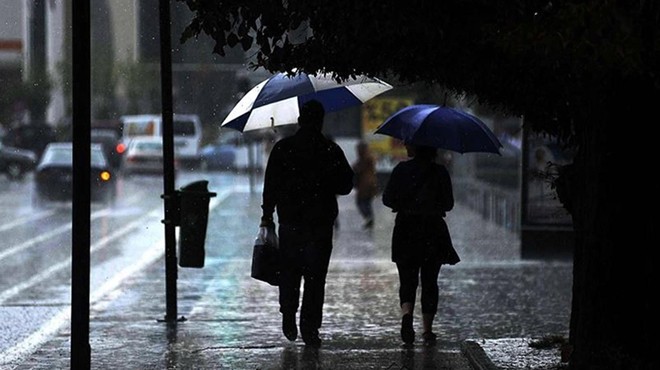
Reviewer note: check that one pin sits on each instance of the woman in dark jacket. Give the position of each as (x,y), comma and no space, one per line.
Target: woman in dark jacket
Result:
(420,192)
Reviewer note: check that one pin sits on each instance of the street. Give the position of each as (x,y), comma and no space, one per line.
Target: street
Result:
(36,254)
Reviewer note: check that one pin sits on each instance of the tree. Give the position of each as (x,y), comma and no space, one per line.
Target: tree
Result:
(586,71)
(141,85)
(32,94)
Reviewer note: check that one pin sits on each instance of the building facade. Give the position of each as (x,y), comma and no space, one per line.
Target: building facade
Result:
(35,39)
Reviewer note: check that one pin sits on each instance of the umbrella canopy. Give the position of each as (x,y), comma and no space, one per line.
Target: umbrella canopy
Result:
(277,100)
(440,127)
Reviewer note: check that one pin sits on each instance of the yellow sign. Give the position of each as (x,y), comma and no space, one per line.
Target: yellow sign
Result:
(374,112)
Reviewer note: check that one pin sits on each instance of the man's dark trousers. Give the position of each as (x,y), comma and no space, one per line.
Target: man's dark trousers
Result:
(305,251)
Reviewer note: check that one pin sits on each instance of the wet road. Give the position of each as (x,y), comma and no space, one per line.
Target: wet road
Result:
(233,320)
(35,256)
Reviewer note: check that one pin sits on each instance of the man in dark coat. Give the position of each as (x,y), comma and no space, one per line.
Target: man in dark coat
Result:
(304,174)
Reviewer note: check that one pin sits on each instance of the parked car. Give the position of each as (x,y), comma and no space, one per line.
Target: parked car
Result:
(16,162)
(187,131)
(219,156)
(144,154)
(223,154)
(113,147)
(33,137)
(53,177)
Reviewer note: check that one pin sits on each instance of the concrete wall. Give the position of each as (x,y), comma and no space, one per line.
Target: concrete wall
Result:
(11,32)
(124,28)
(56,21)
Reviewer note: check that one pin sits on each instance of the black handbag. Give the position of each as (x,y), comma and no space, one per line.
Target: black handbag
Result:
(266,256)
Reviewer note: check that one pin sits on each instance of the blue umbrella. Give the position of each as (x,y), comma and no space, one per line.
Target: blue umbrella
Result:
(276,101)
(440,127)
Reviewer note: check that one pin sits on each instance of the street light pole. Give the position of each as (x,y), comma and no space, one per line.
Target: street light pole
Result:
(80,250)
(169,195)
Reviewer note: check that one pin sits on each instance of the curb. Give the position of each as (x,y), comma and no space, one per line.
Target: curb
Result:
(476,356)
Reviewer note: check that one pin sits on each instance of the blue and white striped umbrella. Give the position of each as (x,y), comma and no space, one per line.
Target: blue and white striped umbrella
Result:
(277,100)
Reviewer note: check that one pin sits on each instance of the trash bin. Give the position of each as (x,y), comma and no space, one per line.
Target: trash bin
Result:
(194,213)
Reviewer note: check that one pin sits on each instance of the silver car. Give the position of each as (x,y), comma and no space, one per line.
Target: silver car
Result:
(144,154)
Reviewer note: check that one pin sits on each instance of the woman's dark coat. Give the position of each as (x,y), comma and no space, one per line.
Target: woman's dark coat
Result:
(420,192)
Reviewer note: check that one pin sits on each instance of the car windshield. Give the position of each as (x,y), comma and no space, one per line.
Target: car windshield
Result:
(58,155)
(183,127)
(105,136)
(148,146)
(63,154)
(97,159)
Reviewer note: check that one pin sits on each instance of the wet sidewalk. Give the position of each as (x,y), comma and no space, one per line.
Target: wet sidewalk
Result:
(231,321)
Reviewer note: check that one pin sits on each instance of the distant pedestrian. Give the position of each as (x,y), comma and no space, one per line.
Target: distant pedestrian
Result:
(304,174)
(420,192)
(366,183)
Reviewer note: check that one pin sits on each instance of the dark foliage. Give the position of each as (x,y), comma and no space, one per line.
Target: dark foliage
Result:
(546,60)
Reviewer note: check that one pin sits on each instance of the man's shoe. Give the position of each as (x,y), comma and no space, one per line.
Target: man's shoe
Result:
(289,327)
(407,331)
(311,338)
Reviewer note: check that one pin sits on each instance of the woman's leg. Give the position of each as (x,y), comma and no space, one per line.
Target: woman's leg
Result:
(408,281)
(429,277)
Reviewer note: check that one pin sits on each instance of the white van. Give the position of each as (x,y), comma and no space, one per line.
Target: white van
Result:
(187,133)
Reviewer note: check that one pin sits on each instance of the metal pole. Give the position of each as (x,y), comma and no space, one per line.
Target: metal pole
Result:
(80,269)
(251,166)
(168,162)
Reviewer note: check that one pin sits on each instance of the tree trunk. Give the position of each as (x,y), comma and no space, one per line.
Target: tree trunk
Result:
(614,314)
